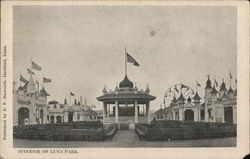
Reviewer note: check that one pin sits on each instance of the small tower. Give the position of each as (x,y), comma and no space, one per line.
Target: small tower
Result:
(196,99)
(223,89)
(181,100)
(31,89)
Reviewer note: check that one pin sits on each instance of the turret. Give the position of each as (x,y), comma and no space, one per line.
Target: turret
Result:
(196,98)
(223,89)
(181,99)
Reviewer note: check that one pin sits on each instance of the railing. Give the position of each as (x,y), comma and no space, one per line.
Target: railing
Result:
(126,119)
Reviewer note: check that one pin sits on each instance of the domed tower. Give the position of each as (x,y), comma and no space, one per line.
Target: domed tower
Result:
(126,83)
(223,89)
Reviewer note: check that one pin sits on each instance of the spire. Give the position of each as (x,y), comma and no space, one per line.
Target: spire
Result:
(208,84)
(181,99)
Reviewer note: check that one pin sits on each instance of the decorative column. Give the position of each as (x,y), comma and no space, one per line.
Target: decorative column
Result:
(104,112)
(174,115)
(136,111)
(116,112)
(148,113)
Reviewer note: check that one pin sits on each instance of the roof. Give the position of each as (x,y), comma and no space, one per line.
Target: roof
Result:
(126,96)
(189,99)
(53,102)
(43,93)
(196,96)
(90,112)
(214,91)
(126,83)
(174,100)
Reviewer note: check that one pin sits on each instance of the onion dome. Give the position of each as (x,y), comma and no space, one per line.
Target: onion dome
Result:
(126,83)
(181,98)
(196,97)
(214,91)
(208,84)
(223,86)
(189,99)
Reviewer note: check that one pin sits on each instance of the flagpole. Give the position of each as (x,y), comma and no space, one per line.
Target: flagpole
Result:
(230,77)
(125,61)
(196,86)
(70,98)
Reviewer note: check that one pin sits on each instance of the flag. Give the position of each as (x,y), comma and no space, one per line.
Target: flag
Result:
(72,94)
(30,72)
(46,80)
(230,75)
(132,60)
(22,79)
(36,66)
(216,83)
(198,84)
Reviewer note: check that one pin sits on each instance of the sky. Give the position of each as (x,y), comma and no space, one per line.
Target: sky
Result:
(81,48)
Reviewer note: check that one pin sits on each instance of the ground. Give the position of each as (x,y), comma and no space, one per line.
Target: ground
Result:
(127,139)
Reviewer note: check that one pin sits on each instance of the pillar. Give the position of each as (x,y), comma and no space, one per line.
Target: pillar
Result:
(173,115)
(234,115)
(104,112)
(108,111)
(116,112)
(148,112)
(136,111)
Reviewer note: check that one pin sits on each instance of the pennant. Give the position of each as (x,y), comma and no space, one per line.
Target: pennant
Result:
(72,94)
(22,79)
(30,72)
(46,80)
(198,84)
(36,66)
(230,75)
(130,59)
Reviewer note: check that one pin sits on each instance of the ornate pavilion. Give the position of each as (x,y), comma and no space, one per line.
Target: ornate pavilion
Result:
(126,104)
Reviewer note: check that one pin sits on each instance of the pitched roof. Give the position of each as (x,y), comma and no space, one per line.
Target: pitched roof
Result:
(196,96)
(208,84)
(181,98)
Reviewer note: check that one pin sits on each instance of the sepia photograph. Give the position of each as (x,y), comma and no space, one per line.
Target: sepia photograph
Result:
(125,76)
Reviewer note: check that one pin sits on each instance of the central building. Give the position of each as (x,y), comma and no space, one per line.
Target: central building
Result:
(126,104)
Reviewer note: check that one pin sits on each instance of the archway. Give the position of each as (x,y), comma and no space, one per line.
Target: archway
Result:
(229,114)
(58,119)
(51,119)
(23,116)
(189,115)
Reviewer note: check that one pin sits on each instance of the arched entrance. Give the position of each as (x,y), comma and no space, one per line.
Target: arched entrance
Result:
(23,116)
(189,115)
(58,119)
(70,116)
(229,114)
(52,119)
